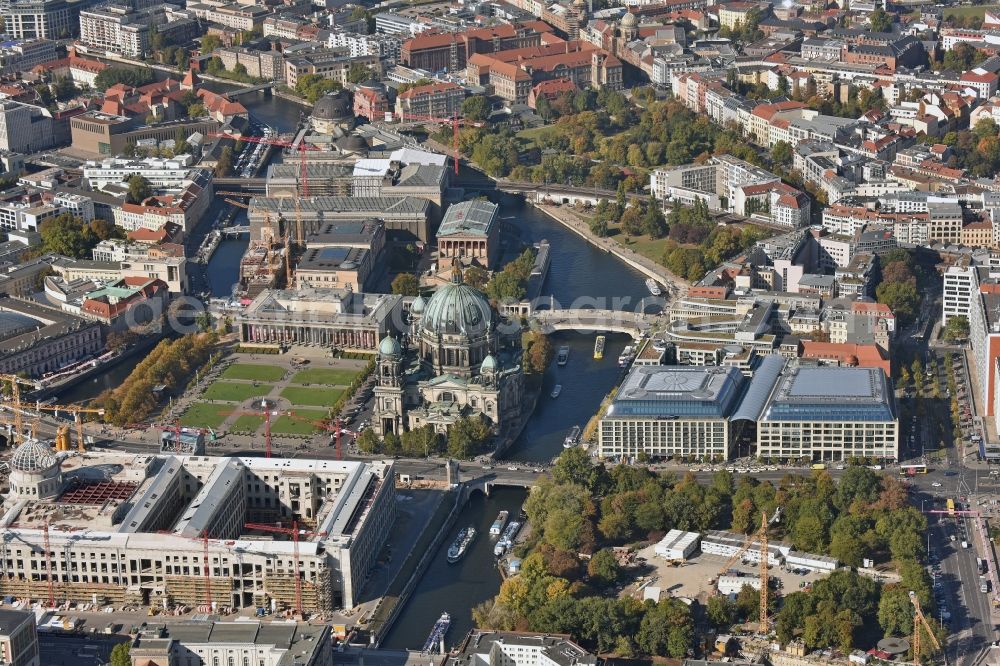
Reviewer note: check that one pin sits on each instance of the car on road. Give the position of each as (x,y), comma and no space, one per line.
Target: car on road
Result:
(487,466)
(512,468)
(936,484)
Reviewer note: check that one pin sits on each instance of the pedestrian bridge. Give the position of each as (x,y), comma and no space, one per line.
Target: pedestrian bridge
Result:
(589,320)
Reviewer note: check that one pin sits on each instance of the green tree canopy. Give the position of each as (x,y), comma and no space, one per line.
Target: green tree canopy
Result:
(406,284)
(130,76)
(957,328)
(476,108)
(881,21)
(120,655)
(138,189)
(467,437)
(603,568)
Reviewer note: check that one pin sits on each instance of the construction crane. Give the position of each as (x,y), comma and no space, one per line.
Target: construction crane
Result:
(920,621)
(295,532)
(763,573)
(301,147)
(77,411)
(48,566)
(206,570)
(15,401)
(455,121)
(267,412)
(336,428)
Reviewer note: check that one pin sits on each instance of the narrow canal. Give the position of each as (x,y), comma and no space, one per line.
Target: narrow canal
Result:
(456,588)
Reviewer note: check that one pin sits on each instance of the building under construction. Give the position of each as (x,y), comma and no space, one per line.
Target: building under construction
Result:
(139,529)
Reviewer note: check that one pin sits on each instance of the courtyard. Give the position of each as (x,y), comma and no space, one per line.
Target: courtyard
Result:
(299,392)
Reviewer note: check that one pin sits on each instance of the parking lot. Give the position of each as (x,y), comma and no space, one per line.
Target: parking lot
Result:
(695,578)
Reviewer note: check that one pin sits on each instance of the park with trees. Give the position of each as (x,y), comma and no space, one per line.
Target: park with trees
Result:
(568,573)
(172,364)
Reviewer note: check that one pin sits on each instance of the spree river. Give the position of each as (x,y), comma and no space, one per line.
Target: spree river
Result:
(577,270)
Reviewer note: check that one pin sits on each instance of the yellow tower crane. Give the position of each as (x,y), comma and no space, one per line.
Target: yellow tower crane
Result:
(15,403)
(62,442)
(920,621)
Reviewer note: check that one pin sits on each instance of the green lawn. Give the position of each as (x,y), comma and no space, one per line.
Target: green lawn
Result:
(971,10)
(534,134)
(328,376)
(319,397)
(254,372)
(235,392)
(204,415)
(248,423)
(300,425)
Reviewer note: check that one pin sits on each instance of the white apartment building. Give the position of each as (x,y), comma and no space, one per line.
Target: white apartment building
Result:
(961,283)
(25,216)
(161,173)
(77,204)
(112,29)
(515,648)
(238,16)
(23,56)
(386,47)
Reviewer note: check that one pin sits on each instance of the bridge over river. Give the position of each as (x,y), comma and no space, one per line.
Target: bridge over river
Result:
(591,320)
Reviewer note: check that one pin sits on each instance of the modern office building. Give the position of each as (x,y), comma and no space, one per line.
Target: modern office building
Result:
(820,413)
(961,283)
(128,529)
(827,414)
(673,411)
(24,128)
(41,19)
(18,638)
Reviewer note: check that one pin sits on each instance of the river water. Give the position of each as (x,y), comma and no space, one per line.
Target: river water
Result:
(577,271)
(456,588)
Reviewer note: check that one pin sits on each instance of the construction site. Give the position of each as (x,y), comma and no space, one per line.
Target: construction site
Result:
(691,565)
(288,536)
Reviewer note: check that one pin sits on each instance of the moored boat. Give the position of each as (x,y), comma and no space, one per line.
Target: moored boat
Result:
(497,527)
(460,546)
(573,438)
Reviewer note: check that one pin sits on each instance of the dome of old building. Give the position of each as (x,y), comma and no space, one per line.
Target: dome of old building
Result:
(418,305)
(390,347)
(489,364)
(457,309)
(629,20)
(335,106)
(353,144)
(33,456)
